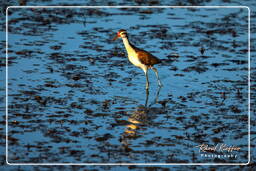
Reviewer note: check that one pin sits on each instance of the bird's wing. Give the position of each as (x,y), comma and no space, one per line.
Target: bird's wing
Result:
(146,58)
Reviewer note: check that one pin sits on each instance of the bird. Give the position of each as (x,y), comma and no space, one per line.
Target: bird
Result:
(138,57)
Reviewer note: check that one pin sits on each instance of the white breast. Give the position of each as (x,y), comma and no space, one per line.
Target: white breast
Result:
(134,60)
(132,55)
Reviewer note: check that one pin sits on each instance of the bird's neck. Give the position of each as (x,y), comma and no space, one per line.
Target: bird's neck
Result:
(129,48)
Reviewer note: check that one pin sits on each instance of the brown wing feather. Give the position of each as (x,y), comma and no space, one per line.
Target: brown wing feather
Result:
(147,59)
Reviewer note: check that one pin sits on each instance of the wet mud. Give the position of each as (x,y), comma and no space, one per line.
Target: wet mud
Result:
(74,97)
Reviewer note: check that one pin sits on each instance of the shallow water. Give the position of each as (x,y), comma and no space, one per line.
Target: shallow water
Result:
(74,97)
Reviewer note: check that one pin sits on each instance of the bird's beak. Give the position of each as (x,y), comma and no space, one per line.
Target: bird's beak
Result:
(115,38)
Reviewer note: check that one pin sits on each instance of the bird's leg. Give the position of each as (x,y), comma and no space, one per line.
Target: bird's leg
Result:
(157,95)
(146,102)
(159,82)
(146,74)
(147,83)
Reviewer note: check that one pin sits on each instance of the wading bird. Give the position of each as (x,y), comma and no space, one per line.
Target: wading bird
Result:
(138,57)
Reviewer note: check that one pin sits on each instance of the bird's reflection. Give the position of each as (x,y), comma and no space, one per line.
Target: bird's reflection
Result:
(141,116)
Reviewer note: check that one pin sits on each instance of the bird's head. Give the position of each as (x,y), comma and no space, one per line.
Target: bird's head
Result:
(121,33)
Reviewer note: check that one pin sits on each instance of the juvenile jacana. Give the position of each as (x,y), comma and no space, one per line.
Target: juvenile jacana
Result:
(138,57)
